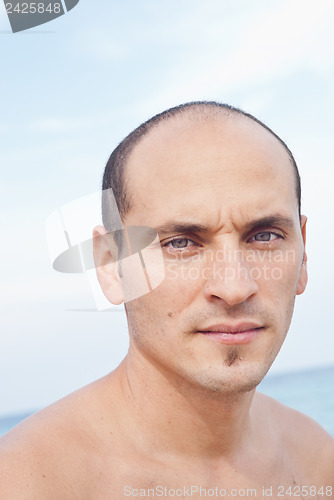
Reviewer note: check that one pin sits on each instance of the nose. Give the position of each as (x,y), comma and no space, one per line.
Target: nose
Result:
(230,278)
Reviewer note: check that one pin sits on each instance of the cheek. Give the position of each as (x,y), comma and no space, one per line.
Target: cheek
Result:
(279,288)
(160,309)
(180,287)
(281,271)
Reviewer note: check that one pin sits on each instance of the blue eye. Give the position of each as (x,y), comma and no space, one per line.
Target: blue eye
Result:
(265,236)
(178,243)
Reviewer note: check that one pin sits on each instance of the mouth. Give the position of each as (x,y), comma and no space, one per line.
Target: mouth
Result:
(240,333)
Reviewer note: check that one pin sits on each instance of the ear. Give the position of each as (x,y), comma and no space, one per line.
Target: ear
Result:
(105,257)
(302,281)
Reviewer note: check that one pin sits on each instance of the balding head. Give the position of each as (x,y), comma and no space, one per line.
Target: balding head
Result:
(118,177)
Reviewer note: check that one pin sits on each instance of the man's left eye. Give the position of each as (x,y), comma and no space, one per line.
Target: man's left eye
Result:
(265,236)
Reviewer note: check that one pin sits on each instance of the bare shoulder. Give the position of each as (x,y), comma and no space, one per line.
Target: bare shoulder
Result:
(50,449)
(27,456)
(306,442)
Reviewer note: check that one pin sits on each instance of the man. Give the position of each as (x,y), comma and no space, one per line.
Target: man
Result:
(181,416)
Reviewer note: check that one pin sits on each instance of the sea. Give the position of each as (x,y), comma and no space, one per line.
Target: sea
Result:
(311,392)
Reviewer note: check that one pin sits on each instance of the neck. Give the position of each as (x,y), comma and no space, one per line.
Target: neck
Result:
(180,417)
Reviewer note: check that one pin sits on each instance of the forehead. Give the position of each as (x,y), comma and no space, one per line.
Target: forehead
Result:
(215,168)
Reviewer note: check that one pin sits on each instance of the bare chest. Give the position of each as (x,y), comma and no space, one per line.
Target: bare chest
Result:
(145,479)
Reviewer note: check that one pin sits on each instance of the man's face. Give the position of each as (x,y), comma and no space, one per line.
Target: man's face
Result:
(221,194)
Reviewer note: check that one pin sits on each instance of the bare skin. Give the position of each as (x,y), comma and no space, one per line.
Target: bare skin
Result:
(94,444)
(182,409)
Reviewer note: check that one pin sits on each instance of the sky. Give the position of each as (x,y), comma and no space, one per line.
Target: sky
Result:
(73,88)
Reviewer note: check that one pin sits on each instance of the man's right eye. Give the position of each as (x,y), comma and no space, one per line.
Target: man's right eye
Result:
(178,243)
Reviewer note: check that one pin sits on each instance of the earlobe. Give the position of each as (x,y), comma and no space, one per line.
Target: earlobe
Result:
(302,281)
(105,257)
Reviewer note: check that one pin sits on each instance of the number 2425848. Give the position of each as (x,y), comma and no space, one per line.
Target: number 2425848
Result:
(33,8)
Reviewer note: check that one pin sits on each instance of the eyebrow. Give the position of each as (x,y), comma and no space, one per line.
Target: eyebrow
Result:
(271,220)
(181,227)
(188,227)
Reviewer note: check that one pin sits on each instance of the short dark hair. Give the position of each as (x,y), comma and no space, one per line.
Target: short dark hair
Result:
(114,173)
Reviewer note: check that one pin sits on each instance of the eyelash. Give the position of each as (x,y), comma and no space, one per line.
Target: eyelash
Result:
(278,236)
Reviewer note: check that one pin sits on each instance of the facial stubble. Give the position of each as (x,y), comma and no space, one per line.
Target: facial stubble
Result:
(232,356)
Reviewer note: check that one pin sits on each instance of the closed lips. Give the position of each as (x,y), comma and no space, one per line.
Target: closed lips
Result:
(233,329)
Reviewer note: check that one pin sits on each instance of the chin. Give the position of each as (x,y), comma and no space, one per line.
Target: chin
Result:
(230,381)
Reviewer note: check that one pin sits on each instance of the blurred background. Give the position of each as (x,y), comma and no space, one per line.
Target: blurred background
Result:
(73,88)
